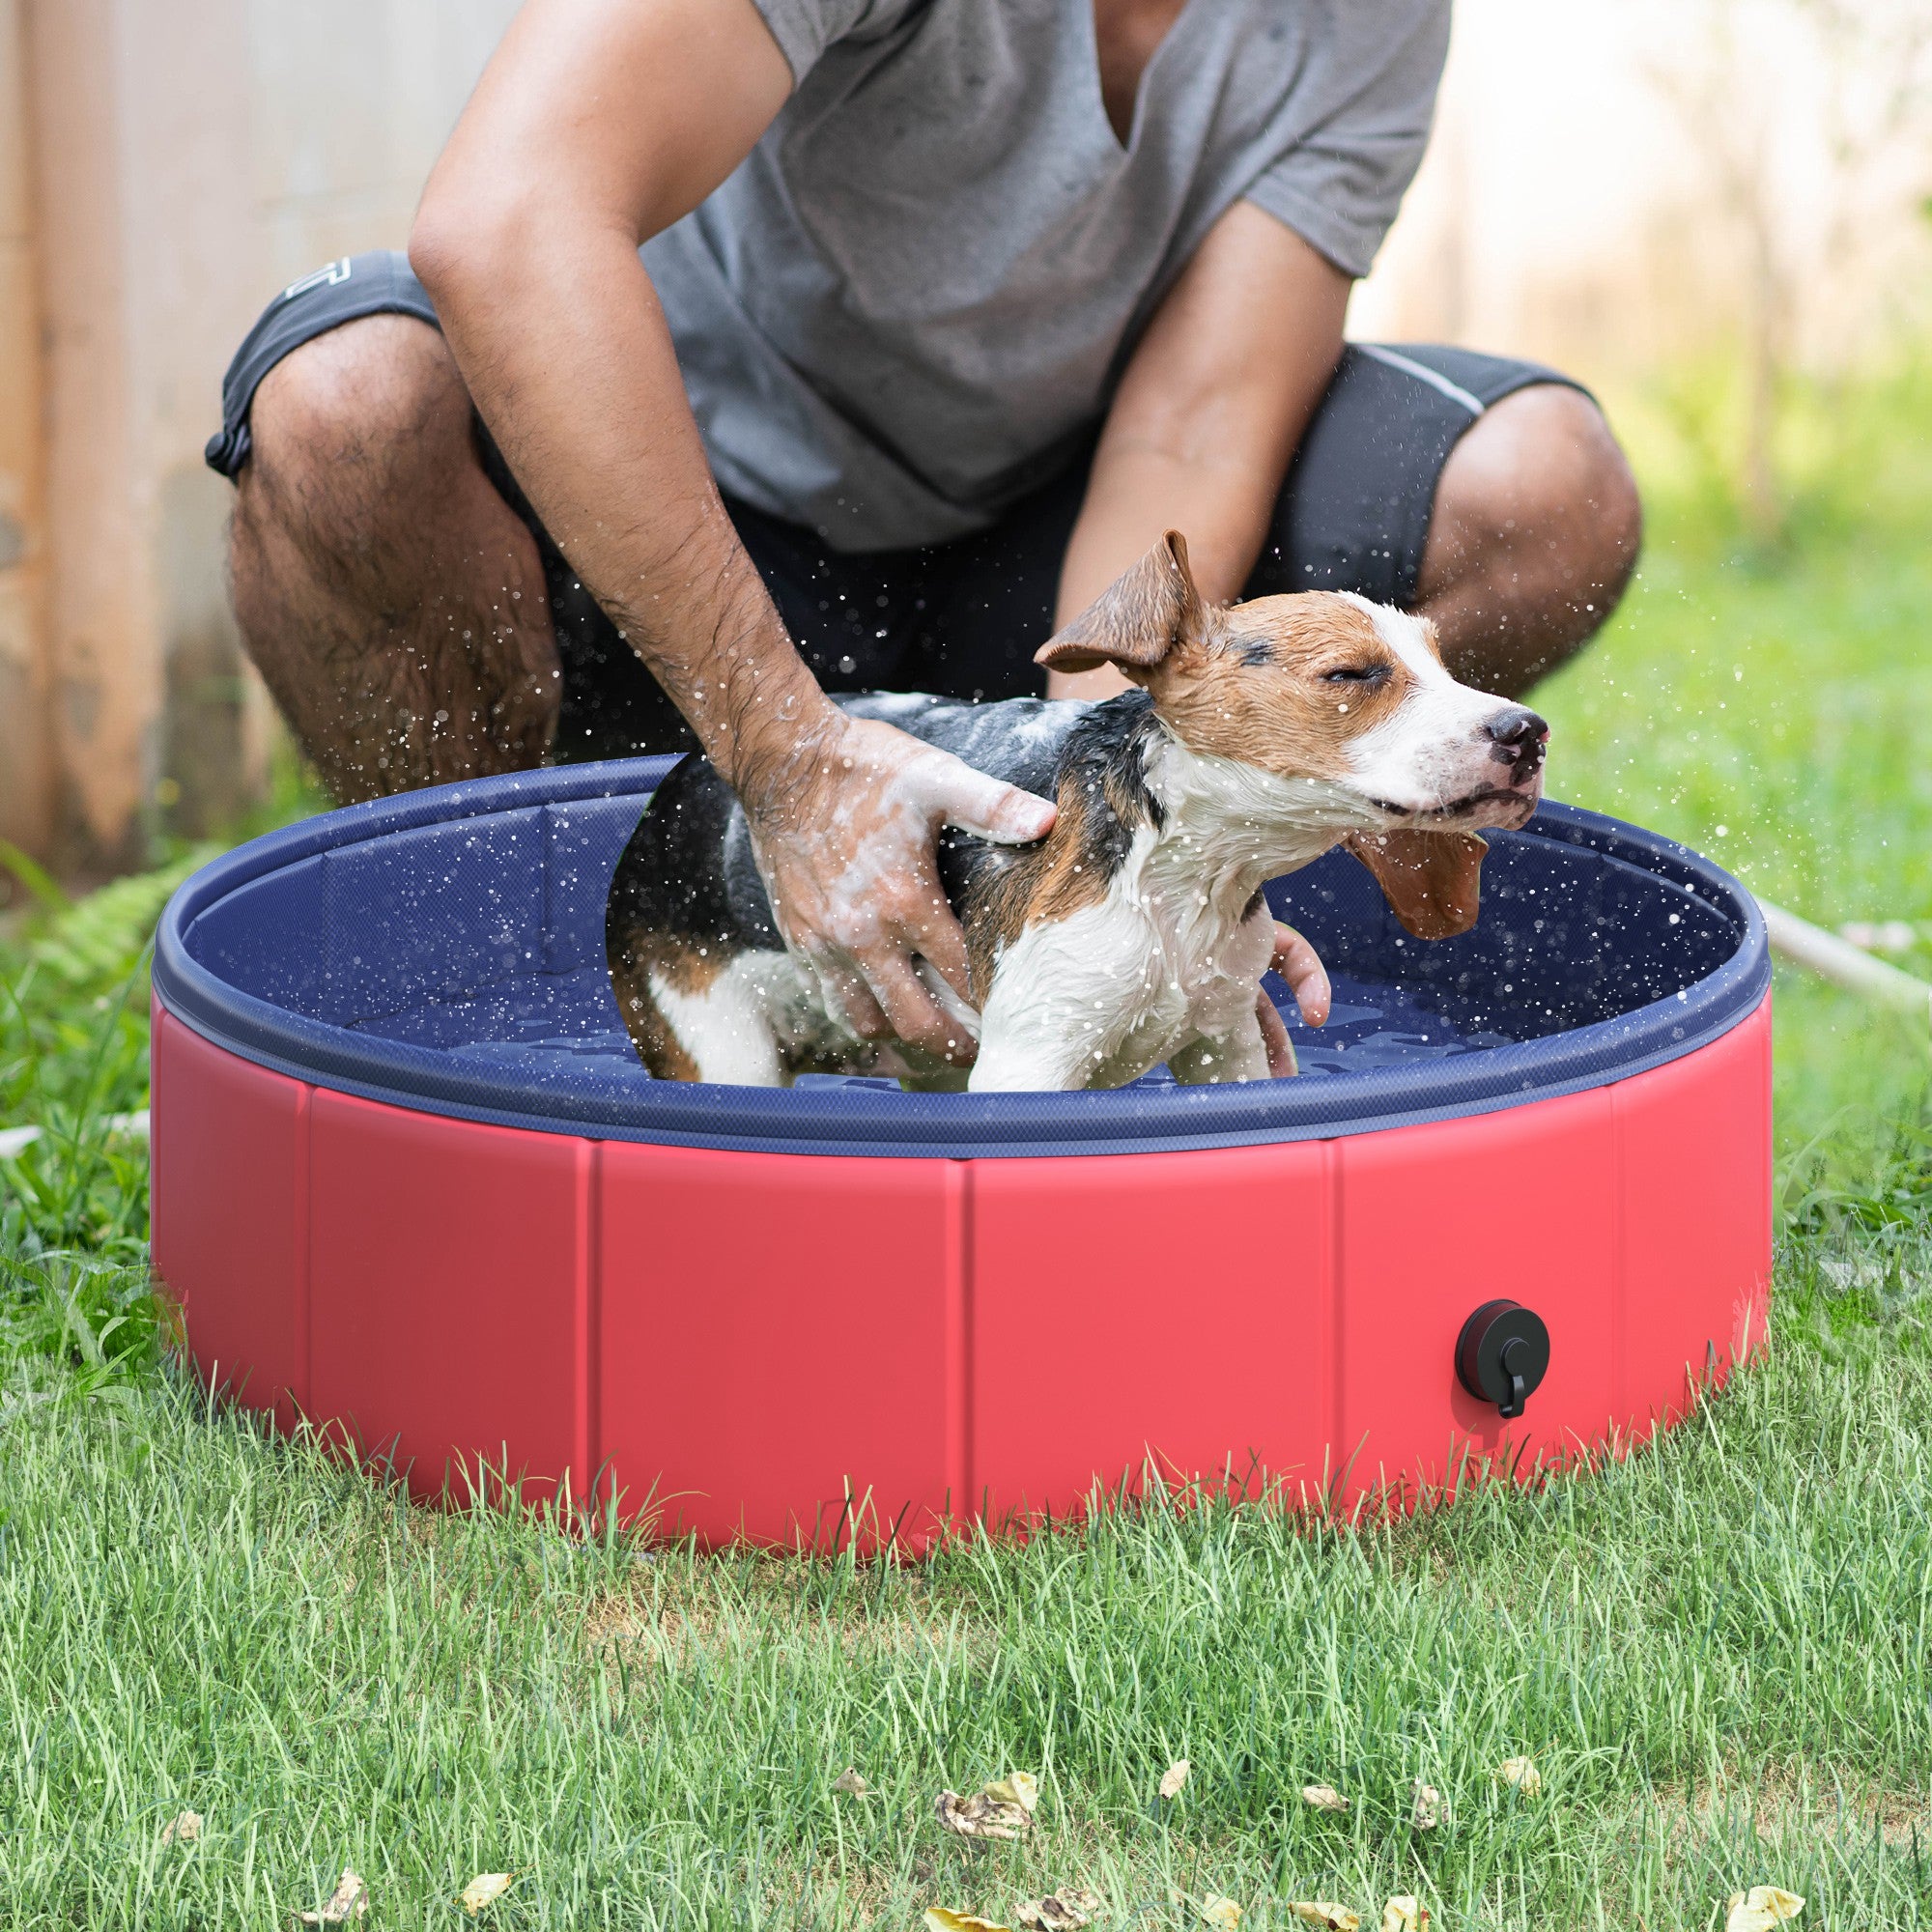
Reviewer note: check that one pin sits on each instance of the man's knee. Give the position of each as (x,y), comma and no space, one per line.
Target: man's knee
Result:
(1541,479)
(355,419)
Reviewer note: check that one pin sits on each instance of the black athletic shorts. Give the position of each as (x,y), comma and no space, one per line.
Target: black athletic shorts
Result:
(960,618)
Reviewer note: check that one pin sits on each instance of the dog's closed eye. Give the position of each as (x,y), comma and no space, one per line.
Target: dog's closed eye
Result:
(1371,675)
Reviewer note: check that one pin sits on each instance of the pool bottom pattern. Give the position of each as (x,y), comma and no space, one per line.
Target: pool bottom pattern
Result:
(534,1027)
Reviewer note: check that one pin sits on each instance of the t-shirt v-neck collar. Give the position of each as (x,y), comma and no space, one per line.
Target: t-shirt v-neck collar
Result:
(1088,41)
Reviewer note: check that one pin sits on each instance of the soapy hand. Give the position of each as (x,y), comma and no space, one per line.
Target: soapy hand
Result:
(843,830)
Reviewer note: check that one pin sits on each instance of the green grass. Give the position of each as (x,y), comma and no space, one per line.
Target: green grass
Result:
(1715,1655)
(74,1044)
(1715,1652)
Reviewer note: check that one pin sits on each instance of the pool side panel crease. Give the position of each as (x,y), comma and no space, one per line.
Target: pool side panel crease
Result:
(300,1258)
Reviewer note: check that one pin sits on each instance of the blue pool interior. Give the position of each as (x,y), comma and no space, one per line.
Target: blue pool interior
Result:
(483,939)
(447,948)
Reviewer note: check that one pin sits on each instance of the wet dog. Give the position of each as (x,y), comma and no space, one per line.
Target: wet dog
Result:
(1261,735)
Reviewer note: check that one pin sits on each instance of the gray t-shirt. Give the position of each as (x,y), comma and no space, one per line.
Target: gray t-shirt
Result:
(913,299)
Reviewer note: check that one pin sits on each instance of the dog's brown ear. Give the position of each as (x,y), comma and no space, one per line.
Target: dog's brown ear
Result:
(1136,620)
(1432,880)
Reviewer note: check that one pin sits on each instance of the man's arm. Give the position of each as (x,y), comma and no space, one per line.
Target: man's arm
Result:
(1207,416)
(597,123)
(1199,439)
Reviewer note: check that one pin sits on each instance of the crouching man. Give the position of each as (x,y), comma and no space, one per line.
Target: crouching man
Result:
(747,350)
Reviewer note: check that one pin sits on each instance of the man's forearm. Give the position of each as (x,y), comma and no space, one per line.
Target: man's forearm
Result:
(528,242)
(1134,493)
(586,400)
(1207,416)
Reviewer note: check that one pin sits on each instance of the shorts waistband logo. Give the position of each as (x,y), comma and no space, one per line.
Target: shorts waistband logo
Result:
(328,278)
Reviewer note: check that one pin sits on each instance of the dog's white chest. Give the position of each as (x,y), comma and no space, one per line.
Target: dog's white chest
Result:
(1098,997)
(1211,954)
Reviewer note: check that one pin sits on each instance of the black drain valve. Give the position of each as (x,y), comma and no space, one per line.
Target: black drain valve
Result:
(1503,1355)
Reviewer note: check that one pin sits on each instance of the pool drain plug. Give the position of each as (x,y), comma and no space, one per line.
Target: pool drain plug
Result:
(1503,1355)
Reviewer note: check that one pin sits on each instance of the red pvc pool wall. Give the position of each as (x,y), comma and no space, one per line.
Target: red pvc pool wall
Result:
(740,1341)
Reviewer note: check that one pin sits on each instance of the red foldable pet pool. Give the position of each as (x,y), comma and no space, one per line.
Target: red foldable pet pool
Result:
(410,1180)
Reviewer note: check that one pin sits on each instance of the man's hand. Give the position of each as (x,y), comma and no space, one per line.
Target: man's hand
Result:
(845,836)
(1295,960)
(843,832)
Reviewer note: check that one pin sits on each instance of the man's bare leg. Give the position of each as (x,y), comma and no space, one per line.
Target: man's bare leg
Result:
(391,599)
(1534,536)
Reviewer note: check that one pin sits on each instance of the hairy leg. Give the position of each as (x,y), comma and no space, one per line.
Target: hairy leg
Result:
(1533,539)
(391,597)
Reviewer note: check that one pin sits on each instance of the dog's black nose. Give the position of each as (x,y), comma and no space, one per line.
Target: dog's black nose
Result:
(1515,725)
(1516,737)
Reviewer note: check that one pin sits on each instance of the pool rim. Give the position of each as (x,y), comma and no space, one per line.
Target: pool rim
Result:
(871,1122)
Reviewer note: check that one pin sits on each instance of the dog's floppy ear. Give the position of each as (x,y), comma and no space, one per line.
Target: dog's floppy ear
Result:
(1136,620)
(1432,880)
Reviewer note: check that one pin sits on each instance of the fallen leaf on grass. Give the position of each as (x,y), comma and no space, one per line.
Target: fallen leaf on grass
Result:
(1323,1797)
(1174,1778)
(485,1889)
(349,1900)
(1403,1914)
(1521,1773)
(1427,1812)
(1331,1918)
(1223,1914)
(941,1918)
(1060,1911)
(851,1784)
(1761,1908)
(980,1816)
(1017,1787)
(184,1829)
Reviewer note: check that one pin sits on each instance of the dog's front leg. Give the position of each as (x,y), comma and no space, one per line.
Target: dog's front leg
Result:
(1239,1054)
(1025,1067)
(1043,1045)
(1064,997)
(725,1028)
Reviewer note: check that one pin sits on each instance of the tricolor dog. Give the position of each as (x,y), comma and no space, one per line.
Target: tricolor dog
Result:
(1261,735)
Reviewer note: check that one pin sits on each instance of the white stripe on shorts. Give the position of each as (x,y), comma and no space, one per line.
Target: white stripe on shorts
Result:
(1422,373)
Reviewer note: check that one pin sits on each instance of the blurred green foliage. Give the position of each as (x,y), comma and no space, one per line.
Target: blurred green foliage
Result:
(73,1063)
(73,1041)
